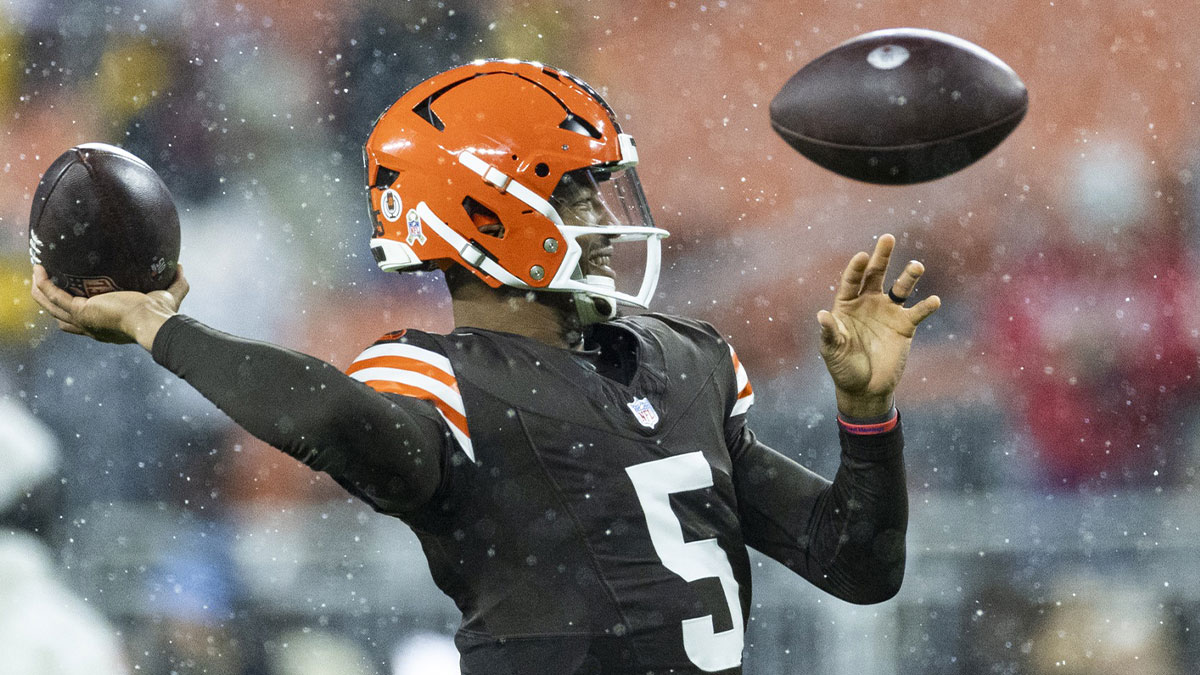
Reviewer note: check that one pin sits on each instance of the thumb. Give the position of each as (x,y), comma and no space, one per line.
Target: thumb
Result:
(174,294)
(831,329)
(180,287)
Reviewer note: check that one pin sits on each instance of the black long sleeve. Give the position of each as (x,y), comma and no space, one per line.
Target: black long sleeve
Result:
(387,450)
(847,536)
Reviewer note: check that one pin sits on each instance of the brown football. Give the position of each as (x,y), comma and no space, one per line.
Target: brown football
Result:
(102,220)
(900,106)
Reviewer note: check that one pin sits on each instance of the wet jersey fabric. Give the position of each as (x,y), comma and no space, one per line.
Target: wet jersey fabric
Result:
(587,513)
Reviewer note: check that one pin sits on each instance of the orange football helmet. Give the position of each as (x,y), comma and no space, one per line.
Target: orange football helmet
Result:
(493,141)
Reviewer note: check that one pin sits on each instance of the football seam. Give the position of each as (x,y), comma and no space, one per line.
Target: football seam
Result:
(783,131)
(84,155)
(123,155)
(57,180)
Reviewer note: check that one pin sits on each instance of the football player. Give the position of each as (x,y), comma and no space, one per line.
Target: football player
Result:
(584,484)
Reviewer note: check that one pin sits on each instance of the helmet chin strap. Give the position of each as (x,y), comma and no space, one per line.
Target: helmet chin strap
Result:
(595,308)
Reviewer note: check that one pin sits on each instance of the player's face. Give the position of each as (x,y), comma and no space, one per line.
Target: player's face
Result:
(578,202)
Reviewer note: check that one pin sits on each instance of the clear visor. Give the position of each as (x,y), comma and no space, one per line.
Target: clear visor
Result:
(600,207)
(599,197)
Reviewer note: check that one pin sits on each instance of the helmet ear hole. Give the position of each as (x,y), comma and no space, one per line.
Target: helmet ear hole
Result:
(485,219)
(542,170)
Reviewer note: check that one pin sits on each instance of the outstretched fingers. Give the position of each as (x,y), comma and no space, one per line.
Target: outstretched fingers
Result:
(878,264)
(51,298)
(904,286)
(70,328)
(832,329)
(921,311)
(50,308)
(906,283)
(852,277)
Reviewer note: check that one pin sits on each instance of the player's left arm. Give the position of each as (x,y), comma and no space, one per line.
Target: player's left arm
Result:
(846,536)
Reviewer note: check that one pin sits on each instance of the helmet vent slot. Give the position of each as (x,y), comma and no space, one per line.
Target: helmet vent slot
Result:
(425,112)
(384,177)
(485,219)
(579,126)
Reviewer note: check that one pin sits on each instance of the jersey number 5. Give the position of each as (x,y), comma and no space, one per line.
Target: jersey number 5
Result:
(654,483)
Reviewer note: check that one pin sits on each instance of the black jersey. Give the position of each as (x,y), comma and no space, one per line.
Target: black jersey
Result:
(587,515)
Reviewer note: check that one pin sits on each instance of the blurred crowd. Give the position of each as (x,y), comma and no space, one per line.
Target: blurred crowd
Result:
(1065,360)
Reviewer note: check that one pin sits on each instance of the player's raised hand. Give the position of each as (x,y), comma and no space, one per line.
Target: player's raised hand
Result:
(119,316)
(866,337)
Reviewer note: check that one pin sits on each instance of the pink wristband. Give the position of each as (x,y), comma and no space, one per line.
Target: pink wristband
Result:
(867,429)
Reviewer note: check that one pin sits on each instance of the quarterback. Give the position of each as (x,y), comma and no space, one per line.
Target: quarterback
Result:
(584,483)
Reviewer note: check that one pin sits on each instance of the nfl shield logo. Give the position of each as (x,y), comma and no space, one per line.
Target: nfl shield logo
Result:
(644,412)
(415,232)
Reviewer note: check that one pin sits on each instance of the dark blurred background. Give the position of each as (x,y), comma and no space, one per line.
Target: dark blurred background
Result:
(1050,406)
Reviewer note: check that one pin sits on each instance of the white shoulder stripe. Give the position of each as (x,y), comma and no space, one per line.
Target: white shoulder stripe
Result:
(408,351)
(424,382)
(742,377)
(742,405)
(464,441)
(433,387)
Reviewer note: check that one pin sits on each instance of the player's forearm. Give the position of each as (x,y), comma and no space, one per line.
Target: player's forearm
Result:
(846,537)
(310,410)
(860,522)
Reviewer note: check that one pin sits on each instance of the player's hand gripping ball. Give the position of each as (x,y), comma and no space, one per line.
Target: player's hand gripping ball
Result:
(900,106)
(102,220)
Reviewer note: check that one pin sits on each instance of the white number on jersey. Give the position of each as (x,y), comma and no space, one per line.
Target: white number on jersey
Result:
(654,482)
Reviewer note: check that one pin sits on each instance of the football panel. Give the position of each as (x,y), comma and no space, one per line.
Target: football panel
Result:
(904,166)
(140,218)
(46,185)
(67,227)
(938,86)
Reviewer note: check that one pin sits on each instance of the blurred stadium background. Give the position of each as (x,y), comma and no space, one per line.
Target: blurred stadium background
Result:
(1051,406)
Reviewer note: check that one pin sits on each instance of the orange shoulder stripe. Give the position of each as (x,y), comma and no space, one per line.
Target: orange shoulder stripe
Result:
(388,387)
(404,363)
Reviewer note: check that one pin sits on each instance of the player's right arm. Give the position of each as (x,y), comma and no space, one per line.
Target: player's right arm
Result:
(387,450)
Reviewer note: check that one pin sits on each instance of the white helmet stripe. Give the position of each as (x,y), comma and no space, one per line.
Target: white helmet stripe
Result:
(563,280)
(466,249)
(503,182)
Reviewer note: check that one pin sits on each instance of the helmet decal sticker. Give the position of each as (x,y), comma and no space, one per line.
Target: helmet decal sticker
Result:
(390,205)
(415,233)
